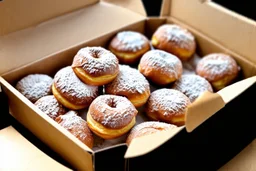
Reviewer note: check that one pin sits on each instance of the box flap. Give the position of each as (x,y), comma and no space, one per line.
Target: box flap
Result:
(209,103)
(63,32)
(17,153)
(228,28)
(133,5)
(17,15)
(135,148)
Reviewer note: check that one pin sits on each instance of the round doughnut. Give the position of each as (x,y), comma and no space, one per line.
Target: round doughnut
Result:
(50,106)
(147,128)
(174,39)
(192,86)
(160,67)
(218,68)
(95,65)
(131,84)
(35,86)
(76,126)
(129,46)
(111,116)
(167,105)
(71,92)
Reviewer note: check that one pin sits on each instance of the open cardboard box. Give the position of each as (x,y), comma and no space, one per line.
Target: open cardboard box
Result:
(44,37)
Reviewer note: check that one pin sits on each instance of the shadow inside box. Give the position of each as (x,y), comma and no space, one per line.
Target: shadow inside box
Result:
(209,146)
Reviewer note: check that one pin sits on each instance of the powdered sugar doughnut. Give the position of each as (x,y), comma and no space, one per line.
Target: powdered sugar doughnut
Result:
(147,128)
(218,68)
(192,86)
(111,116)
(160,67)
(129,46)
(167,105)
(174,39)
(95,65)
(35,86)
(71,92)
(76,126)
(50,106)
(131,84)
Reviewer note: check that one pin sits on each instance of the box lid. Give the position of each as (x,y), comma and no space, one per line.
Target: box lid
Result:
(228,28)
(17,153)
(31,30)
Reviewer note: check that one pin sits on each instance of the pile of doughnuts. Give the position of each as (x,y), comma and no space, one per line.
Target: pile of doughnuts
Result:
(126,72)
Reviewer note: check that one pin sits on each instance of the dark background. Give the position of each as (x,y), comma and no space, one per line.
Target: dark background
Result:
(246,8)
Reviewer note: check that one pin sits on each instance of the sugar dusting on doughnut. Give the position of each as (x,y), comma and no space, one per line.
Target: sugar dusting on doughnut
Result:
(35,86)
(217,65)
(179,35)
(96,60)
(112,111)
(166,63)
(168,100)
(70,121)
(192,86)
(132,40)
(67,82)
(50,106)
(129,79)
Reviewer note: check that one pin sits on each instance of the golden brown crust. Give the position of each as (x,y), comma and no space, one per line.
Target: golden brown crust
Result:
(113,112)
(160,67)
(147,128)
(69,87)
(174,39)
(218,68)
(131,84)
(50,106)
(76,126)
(129,46)
(167,105)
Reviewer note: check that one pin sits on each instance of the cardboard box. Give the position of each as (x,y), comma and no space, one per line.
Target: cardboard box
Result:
(44,37)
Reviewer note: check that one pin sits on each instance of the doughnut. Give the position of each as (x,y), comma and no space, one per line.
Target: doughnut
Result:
(218,68)
(160,67)
(76,126)
(175,40)
(147,128)
(192,86)
(167,105)
(95,65)
(131,84)
(129,46)
(71,92)
(35,86)
(50,106)
(111,116)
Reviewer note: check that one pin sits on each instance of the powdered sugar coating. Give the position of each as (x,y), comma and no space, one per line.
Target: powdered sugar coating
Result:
(128,80)
(181,36)
(71,87)
(216,66)
(77,126)
(132,41)
(163,62)
(168,102)
(50,106)
(192,86)
(147,128)
(35,86)
(96,61)
(112,111)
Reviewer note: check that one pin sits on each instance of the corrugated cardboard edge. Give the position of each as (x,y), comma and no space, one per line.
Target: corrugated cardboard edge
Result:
(18,153)
(133,5)
(135,148)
